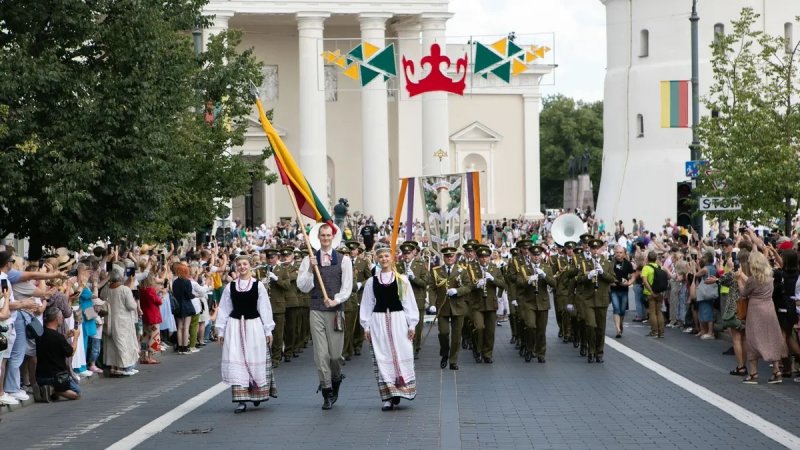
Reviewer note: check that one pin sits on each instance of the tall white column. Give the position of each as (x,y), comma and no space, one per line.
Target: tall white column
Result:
(409,110)
(313,156)
(531,170)
(220,24)
(375,126)
(435,124)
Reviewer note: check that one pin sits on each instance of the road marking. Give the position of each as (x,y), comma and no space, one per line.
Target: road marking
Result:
(450,427)
(743,415)
(159,424)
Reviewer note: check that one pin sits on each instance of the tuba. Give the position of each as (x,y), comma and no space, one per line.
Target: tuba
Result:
(567,227)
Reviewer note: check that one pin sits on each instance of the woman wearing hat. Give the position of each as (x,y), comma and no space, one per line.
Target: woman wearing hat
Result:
(245,324)
(389,317)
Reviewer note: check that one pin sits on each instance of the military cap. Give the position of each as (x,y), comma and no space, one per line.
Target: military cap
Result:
(352,245)
(483,250)
(471,244)
(514,251)
(523,243)
(286,251)
(570,245)
(585,238)
(595,243)
(343,250)
(449,251)
(408,246)
(536,249)
(270,252)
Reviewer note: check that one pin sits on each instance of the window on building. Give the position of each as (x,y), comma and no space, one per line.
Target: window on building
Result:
(719,30)
(787,36)
(639,125)
(644,43)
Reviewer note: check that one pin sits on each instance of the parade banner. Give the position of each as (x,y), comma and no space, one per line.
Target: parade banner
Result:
(442,206)
(474,203)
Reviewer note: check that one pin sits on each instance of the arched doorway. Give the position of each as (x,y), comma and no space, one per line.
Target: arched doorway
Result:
(474,162)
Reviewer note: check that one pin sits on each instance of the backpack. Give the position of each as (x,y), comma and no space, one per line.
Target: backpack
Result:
(660,279)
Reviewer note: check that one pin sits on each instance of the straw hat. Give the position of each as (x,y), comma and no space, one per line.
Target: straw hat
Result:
(65,262)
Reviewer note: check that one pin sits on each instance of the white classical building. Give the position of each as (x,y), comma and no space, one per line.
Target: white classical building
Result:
(649,41)
(357,143)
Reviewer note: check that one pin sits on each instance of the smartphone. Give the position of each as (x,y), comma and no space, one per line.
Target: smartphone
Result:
(130,271)
(109,266)
(41,263)
(161,258)
(166,283)
(4,285)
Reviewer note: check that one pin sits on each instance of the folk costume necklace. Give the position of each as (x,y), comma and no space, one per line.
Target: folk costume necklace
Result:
(380,278)
(247,286)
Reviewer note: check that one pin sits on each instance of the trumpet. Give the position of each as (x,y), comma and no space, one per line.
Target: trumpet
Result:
(483,272)
(596,267)
(536,281)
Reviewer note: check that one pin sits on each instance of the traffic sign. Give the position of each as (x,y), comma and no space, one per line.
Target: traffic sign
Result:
(693,168)
(719,204)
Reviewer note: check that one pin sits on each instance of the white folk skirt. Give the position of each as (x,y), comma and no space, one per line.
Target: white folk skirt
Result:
(393,355)
(246,361)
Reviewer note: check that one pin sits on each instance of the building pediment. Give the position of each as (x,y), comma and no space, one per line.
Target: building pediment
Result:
(255,130)
(476,132)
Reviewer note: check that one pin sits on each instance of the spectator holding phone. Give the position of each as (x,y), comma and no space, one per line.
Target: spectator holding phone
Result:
(150,302)
(183,309)
(120,346)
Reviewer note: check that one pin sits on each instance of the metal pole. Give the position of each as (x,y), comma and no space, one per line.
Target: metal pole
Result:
(694,147)
(197,35)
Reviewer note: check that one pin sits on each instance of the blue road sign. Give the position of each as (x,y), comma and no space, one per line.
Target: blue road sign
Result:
(693,168)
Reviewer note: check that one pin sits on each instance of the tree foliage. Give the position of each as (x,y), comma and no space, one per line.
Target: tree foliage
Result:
(752,139)
(106,134)
(567,129)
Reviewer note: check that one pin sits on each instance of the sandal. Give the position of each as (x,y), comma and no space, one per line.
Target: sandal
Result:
(776,378)
(741,371)
(751,379)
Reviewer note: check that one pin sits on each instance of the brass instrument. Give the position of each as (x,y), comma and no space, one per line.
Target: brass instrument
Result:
(596,267)
(483,271)
(536,280)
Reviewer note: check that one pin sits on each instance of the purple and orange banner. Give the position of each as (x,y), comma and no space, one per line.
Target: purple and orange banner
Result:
(474,203)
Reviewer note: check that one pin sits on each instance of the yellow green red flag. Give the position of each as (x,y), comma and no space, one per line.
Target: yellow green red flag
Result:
(291,175)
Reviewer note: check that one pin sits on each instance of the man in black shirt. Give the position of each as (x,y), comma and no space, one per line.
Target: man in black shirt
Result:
(368,232)
(623,269)
(52,351)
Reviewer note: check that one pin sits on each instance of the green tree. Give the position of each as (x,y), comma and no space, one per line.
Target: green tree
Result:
(107,135)
(567,129)
(752,140)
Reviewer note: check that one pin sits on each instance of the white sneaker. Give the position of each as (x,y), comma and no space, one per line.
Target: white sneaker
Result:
(706,337)
(193,350)
(128,373)
(19,395)
(86,373)
(7,399)
(134,371)
(688,330)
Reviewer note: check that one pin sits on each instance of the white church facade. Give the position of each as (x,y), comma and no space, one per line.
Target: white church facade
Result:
(649,41)
(357,143)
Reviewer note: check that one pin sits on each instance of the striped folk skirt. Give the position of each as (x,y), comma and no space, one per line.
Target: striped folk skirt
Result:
(246,361)
(392,356)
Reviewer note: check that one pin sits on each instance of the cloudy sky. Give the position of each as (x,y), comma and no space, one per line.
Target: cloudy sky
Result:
(579,29)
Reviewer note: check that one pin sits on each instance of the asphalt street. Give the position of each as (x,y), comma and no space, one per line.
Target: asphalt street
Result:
(686,401)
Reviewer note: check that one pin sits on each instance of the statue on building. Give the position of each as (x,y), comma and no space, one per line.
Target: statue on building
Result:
(584,164)
(572,166)
(340,212)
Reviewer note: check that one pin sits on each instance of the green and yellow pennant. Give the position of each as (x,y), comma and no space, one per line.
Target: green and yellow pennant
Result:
(364,62)
(505,59)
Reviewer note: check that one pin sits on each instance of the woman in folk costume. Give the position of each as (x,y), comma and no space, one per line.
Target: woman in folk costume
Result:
(389,316)
(245,325)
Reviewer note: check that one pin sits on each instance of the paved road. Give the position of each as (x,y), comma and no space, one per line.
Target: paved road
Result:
(563,404)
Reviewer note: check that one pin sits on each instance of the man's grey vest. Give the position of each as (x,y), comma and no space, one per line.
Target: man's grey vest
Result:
(332,277)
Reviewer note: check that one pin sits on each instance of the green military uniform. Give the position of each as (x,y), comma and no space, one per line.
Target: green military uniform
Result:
(565,269)
(277,300)
(470,264)
(511,294)
(362,269)
(293,311)
(351,311)
(483,305)
(420,278)
(305,310)
(451,308)
(597,276)
(532,280)
(582,292)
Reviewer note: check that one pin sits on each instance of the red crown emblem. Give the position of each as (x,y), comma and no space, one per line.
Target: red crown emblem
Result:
(436,80)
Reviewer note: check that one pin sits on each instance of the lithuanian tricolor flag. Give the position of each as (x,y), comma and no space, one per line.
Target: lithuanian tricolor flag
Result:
(675,104)
(291,175)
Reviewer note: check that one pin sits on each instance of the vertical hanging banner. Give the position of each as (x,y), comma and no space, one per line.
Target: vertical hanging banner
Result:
(675,104)
(474,203)
(442,209)
(398,210)
(410,210)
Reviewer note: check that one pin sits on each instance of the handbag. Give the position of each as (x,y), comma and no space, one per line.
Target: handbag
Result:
(33,328)
(741,308)
(61,381)
(3,342)
(707,292)
(90,314)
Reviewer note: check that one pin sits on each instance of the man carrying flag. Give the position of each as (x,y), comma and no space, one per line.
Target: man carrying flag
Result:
(334,273)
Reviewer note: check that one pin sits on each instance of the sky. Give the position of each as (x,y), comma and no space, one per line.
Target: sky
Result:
(579,27)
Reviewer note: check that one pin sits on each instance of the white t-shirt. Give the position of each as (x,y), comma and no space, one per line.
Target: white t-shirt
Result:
(3,276)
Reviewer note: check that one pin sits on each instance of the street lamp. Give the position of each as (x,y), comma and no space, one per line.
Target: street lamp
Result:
(197,35)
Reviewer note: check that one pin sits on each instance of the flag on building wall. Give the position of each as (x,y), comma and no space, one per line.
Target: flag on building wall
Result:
(474,203)
(675,104)
(291,175)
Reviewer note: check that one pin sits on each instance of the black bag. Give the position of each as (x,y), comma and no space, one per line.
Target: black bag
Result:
(33,328)
(660,279)
(61,381)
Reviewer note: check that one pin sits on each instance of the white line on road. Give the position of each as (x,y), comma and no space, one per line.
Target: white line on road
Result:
(743,415)
(159,424)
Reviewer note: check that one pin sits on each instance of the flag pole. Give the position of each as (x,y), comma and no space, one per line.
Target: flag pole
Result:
(308,242)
